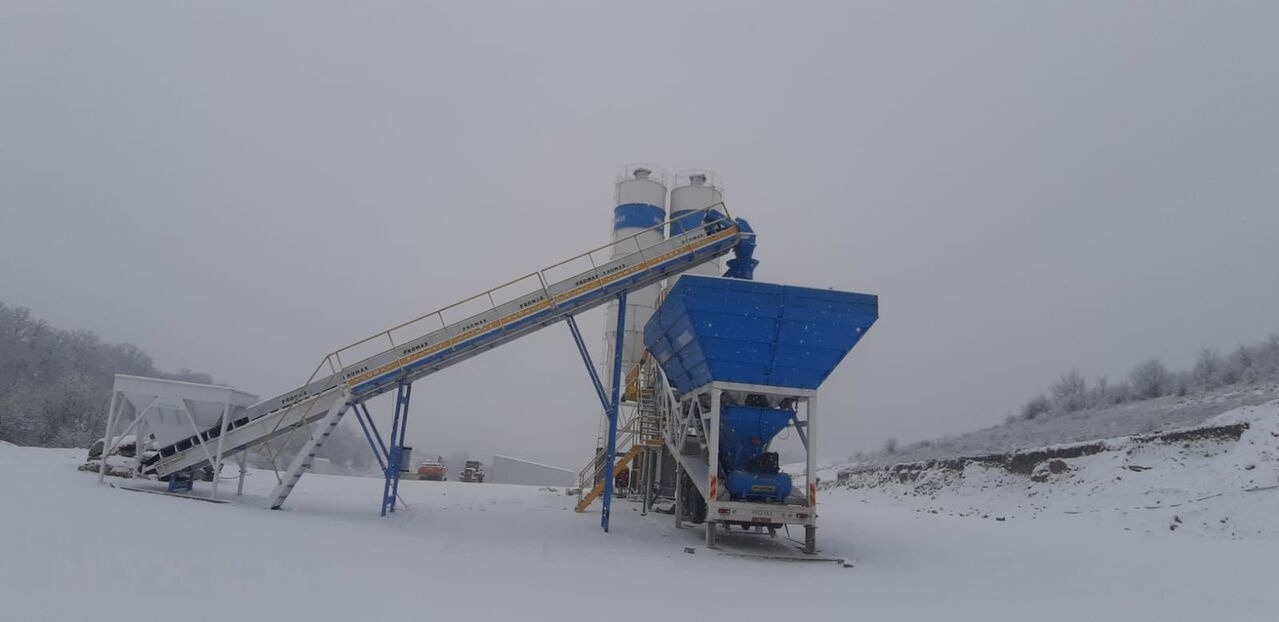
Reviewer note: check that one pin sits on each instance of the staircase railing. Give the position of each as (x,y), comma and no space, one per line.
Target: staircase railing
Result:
(594,470)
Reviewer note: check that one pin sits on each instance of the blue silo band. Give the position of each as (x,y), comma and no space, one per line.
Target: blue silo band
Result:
(637,216)
(681,221)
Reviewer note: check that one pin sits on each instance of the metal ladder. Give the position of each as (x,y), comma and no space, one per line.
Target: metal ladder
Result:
(302,462)
(640,436)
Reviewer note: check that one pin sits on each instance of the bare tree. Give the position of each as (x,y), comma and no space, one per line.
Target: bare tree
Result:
(1035,407)
(1100,393)
(1120,393)
(1150,379)
(1070,391)
(1207,371)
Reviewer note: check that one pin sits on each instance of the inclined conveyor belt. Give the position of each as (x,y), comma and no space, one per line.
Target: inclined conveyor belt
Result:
(543,303)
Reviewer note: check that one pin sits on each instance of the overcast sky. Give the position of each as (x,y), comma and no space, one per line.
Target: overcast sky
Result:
(242,187)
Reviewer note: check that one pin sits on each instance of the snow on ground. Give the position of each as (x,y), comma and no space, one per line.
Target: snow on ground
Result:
(71,549)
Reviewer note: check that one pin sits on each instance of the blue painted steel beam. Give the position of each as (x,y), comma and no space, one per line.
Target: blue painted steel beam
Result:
(586,358)
(376,434)
(392,460)
(404,424)
(391,485)
(377,452)
(614,405)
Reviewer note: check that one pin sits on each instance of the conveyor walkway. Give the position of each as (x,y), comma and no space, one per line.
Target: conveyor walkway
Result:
(451,335)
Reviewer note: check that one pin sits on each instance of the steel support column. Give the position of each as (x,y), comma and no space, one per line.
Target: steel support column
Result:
(810,473)
(590,365)
(712,453)
(109,435)
(241,460)
(371,433)
(395,453)
(614,405)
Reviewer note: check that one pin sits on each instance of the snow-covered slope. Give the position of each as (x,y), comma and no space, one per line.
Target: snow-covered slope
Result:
(1139,417)
(71,549)
(1219,478)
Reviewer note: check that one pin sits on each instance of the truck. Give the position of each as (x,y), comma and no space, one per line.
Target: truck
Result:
(473,473)
(432,470)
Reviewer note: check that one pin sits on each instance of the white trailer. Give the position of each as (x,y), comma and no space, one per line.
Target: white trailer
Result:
(508,470)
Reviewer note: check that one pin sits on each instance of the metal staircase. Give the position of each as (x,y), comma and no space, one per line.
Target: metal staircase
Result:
(640,436)
(302,462)
(422,346)
(598,489)
(631,443)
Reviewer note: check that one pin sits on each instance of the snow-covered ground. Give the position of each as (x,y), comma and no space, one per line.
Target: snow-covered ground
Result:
(71,549)
(1211,479)
(1138,417)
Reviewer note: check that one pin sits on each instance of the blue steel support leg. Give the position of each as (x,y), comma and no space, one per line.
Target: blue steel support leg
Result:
(373,444)
(395,452)
(376,434)
(614,404)
(586,358)
(404,424)
(392,460)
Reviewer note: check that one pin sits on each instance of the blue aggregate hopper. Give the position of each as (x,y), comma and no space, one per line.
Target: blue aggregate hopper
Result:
(745,431)
(731,330)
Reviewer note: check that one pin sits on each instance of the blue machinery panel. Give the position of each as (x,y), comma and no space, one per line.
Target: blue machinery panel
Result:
(733,330)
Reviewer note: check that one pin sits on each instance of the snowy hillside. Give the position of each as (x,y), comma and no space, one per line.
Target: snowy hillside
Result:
(1218,478)
(1139,417)
(72,549)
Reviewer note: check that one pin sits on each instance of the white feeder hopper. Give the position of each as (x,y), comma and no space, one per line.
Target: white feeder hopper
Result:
(161,412)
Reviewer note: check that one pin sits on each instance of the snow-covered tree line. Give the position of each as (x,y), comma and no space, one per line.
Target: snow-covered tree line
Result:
(55,388)
(55,385)
(1247,364)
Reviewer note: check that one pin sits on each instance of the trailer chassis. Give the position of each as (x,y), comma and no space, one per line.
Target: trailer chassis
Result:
(691,433)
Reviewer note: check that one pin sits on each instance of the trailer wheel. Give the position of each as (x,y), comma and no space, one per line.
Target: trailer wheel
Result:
(694,503)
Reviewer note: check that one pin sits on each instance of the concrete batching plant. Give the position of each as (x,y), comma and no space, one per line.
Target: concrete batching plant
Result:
(712,372)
